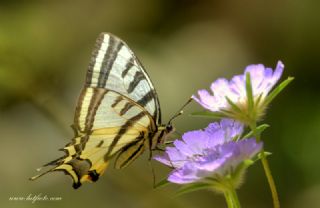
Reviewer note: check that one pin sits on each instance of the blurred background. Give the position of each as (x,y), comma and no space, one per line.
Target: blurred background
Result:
(45,47)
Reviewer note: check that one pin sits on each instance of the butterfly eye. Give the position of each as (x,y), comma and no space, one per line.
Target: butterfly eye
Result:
(169,128)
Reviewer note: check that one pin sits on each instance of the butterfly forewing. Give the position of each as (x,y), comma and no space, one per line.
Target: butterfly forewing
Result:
(114,66)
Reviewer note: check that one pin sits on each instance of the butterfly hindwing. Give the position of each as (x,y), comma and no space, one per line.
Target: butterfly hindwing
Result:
(88,155)
(130,152)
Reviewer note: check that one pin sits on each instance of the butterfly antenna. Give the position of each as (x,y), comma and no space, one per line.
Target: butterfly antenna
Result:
(180,111)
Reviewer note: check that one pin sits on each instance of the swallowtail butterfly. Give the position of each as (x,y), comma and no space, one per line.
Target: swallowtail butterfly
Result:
(117,115)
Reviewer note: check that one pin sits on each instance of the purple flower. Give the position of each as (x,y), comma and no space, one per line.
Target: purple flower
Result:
(263,80)
(209,153)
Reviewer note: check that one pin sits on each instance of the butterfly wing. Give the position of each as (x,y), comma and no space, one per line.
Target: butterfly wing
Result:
(112,131)
(114,66)
(116,111)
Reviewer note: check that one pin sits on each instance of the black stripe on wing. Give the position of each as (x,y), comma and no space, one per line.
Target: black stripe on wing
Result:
(150,96)
(129,65)
(122,132)
(138,77)
(129,153)
(97,97)
(110,56)
(104,65)
(94,55)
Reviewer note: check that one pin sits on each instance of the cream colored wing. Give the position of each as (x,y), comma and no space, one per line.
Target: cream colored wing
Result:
(113,128)
(114,66)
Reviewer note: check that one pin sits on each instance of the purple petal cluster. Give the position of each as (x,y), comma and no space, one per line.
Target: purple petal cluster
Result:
(208,153)
(262,79)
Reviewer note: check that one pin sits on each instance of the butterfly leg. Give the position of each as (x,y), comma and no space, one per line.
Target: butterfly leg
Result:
(159,149)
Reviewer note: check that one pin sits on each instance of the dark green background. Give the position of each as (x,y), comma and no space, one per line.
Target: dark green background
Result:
(45,47)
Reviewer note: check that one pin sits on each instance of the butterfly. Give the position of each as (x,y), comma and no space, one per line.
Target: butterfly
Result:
(117,115)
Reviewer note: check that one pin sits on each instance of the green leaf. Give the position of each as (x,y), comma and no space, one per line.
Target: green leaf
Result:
(227,113)
(192,187)
(258,131)
(233,105)
(266,154)
(214,115)
(249,92)
(257,101)
(278,89)
(247,163)
(260,156)
(161,183)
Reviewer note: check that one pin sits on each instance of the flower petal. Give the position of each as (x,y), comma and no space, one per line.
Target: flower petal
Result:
(262,79)
(231,128)
(205,99)
(208,153)
(277,72)
(186,174)
(195,141)
(249,147)
(163,159)
(241,150)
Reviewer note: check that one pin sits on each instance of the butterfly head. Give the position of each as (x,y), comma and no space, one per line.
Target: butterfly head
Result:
(164,131)
(167,129)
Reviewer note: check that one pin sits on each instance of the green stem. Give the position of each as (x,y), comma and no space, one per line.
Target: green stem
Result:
(267,171)
(232,198)
(236,203)
(265,164)
(228,199)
